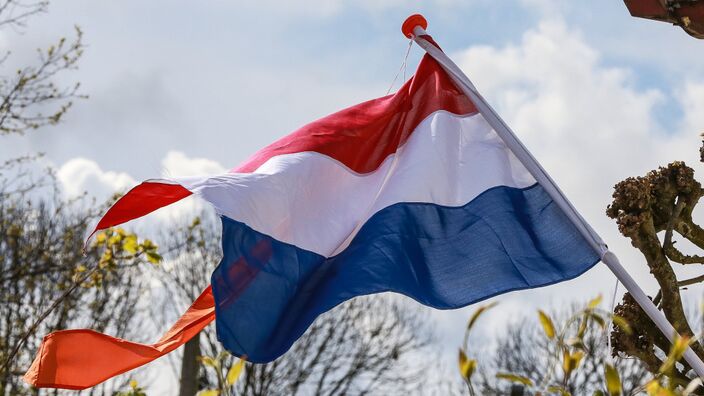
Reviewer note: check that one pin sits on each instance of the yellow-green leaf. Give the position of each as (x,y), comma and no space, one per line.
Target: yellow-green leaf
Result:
(595,302)
(147,244)
(153,257)
(546,322)
(582,327)
(571,361)
(208,392)
(234,373)
(515,378)
(577,358)
(576,342)
(467,366)
(655,389)
(676,352)
(222,355)
(208,361)
(621,322)
(566,362)
(613,380)
(598,319)
(478,312)
(133,384)
(129,244)
(114,240)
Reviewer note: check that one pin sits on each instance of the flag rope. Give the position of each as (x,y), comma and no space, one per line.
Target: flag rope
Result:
(404,64)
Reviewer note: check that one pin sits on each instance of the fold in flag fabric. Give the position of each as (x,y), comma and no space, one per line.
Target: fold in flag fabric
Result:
(412,193)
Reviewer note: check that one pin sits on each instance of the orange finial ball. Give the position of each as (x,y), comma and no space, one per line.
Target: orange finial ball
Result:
(411,22)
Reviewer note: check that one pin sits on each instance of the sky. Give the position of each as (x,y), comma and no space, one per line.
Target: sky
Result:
(181,88)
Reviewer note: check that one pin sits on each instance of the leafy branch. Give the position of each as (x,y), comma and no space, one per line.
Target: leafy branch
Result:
(30,99)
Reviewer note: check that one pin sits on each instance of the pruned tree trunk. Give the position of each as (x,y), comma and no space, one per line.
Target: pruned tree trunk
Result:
(188,385)
(650,210)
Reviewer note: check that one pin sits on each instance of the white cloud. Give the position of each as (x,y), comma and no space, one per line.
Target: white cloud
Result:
(81,175)
(177,164)
(588,124)
(692,100)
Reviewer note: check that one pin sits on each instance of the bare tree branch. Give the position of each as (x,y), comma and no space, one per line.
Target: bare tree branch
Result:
(14,13)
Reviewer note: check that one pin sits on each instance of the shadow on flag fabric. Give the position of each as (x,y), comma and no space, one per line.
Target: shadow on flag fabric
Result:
(412,193)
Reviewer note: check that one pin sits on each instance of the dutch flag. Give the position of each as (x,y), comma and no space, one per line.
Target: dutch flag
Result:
(413,193)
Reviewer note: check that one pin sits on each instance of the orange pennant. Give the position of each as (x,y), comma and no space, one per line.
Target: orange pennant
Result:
(79,359)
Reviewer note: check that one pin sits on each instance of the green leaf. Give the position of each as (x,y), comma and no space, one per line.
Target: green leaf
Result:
(613,380)
(598,393)
(595,302)
(546,322)
(467,366)
(478,312)
(519,379)
(234,373)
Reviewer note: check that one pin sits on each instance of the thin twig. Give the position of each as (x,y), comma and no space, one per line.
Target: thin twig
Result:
(686,282)
(44,315)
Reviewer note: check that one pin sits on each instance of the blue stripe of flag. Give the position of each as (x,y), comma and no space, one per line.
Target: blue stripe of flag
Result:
(268,292)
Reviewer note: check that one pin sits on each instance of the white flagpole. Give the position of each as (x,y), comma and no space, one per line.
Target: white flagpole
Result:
(542,177)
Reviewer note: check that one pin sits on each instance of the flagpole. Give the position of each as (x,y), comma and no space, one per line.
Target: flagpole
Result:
(414,28)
